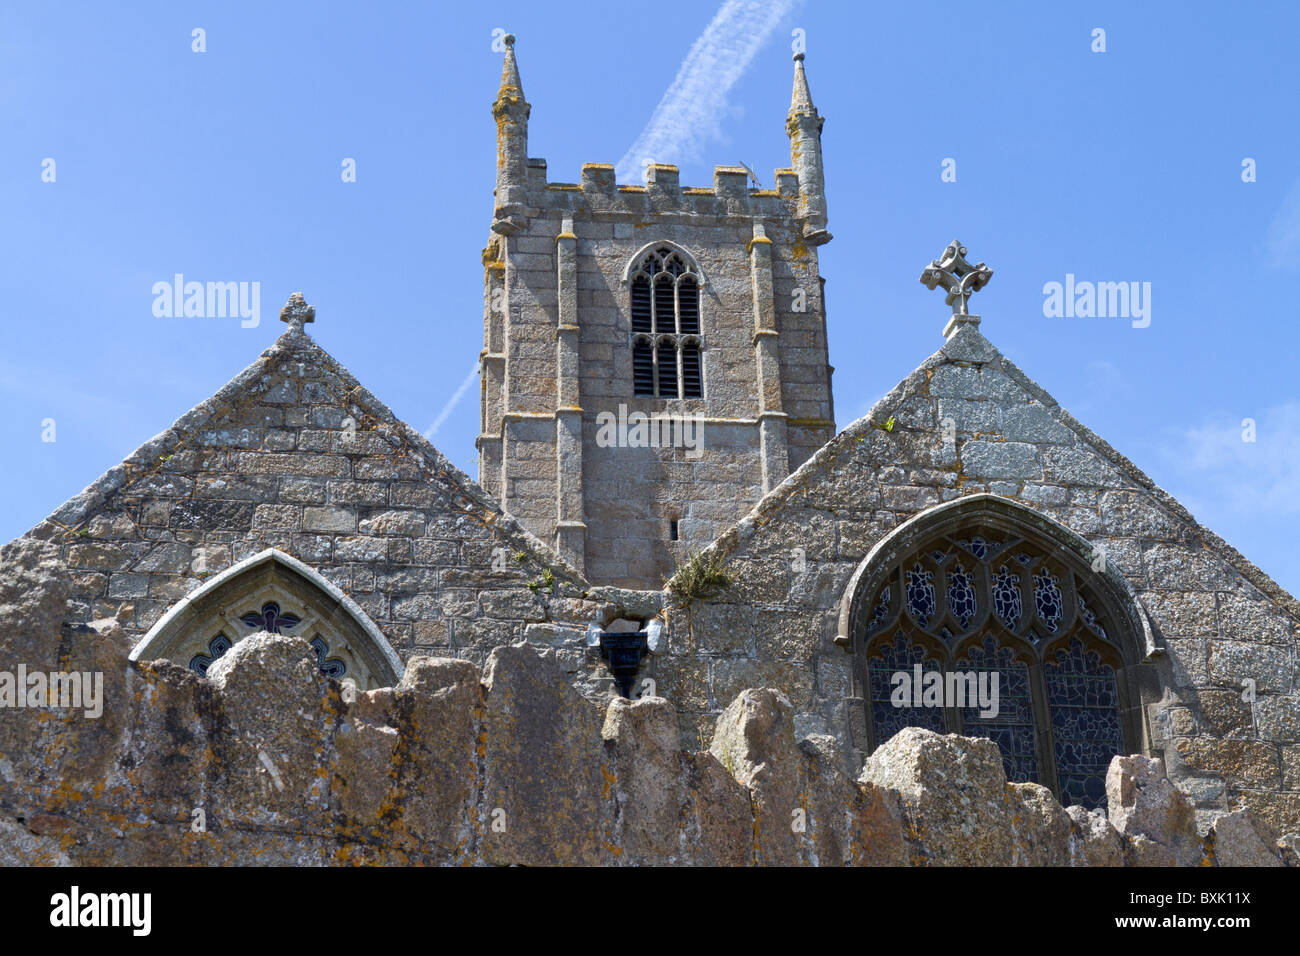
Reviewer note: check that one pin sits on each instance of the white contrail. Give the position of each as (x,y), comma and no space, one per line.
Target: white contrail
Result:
(451,404)
(688,115)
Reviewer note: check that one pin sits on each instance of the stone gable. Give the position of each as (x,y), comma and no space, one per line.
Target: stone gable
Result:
(295,454)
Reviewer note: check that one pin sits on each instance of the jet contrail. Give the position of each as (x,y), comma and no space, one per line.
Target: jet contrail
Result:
(451,404)
(688,115)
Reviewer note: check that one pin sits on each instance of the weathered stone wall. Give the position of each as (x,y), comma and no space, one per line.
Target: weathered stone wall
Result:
(266,762)
(1216,619)
(294,454)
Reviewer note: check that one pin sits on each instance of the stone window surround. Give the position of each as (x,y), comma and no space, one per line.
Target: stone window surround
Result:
(1118,603)
(273,575)
(659,338)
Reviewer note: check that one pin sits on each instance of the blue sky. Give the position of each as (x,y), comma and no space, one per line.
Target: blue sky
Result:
(225,166)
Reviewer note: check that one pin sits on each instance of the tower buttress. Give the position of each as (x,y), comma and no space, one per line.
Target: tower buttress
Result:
(804,127)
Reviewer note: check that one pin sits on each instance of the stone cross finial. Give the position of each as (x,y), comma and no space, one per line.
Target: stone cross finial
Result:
(957,276)
(297,312)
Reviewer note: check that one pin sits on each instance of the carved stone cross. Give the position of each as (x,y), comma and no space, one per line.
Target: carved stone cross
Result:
(957,276)
(297,312)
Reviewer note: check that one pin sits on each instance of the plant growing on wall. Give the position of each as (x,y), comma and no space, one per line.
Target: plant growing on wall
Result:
(698,578)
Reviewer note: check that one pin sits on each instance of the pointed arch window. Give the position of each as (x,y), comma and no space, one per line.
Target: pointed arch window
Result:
(666,341)
(983,602)
(273,592)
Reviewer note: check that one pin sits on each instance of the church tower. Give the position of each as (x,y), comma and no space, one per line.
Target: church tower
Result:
(654,357)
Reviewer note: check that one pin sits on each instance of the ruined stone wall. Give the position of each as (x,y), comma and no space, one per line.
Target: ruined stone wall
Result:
(627,497)
(295,455)
(266,762)
(1216,620)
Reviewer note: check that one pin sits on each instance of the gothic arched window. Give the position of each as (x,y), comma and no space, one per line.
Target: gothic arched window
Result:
(271,620)
(666,343)
(274,592)
(985,628)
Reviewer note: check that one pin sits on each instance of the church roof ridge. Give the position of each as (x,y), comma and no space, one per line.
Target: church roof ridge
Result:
(292,341)
(1125,466)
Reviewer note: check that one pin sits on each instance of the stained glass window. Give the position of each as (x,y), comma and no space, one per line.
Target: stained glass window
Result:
(961,595)
(980,548)
(1012,726)
(217,647)
(1084,705)
(329,666)
(920,594)
(1047,599)
(881,613)
(1090,619)
(1001,608)
(1006,598)
(272,620)
(900,656)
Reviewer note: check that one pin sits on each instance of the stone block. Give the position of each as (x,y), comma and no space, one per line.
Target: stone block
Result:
(1240,839)
(1151,813)
(271,694)
(102,557)
(125,585)
(953,796)
(1093,841)
(277,516)
(1243,763)
(754,740)
(983,459)
(438,700)
(361,548)
(1040,827)
(539,731)
(1278,718)
(644,778)
(328,520)
(730,677)
(1033,424)
(1232,662)
(407,523)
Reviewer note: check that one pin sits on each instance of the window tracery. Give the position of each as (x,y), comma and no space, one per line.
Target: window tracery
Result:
(666,341)
(982,601)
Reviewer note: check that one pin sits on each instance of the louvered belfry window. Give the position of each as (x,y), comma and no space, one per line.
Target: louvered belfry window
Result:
(667,357)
